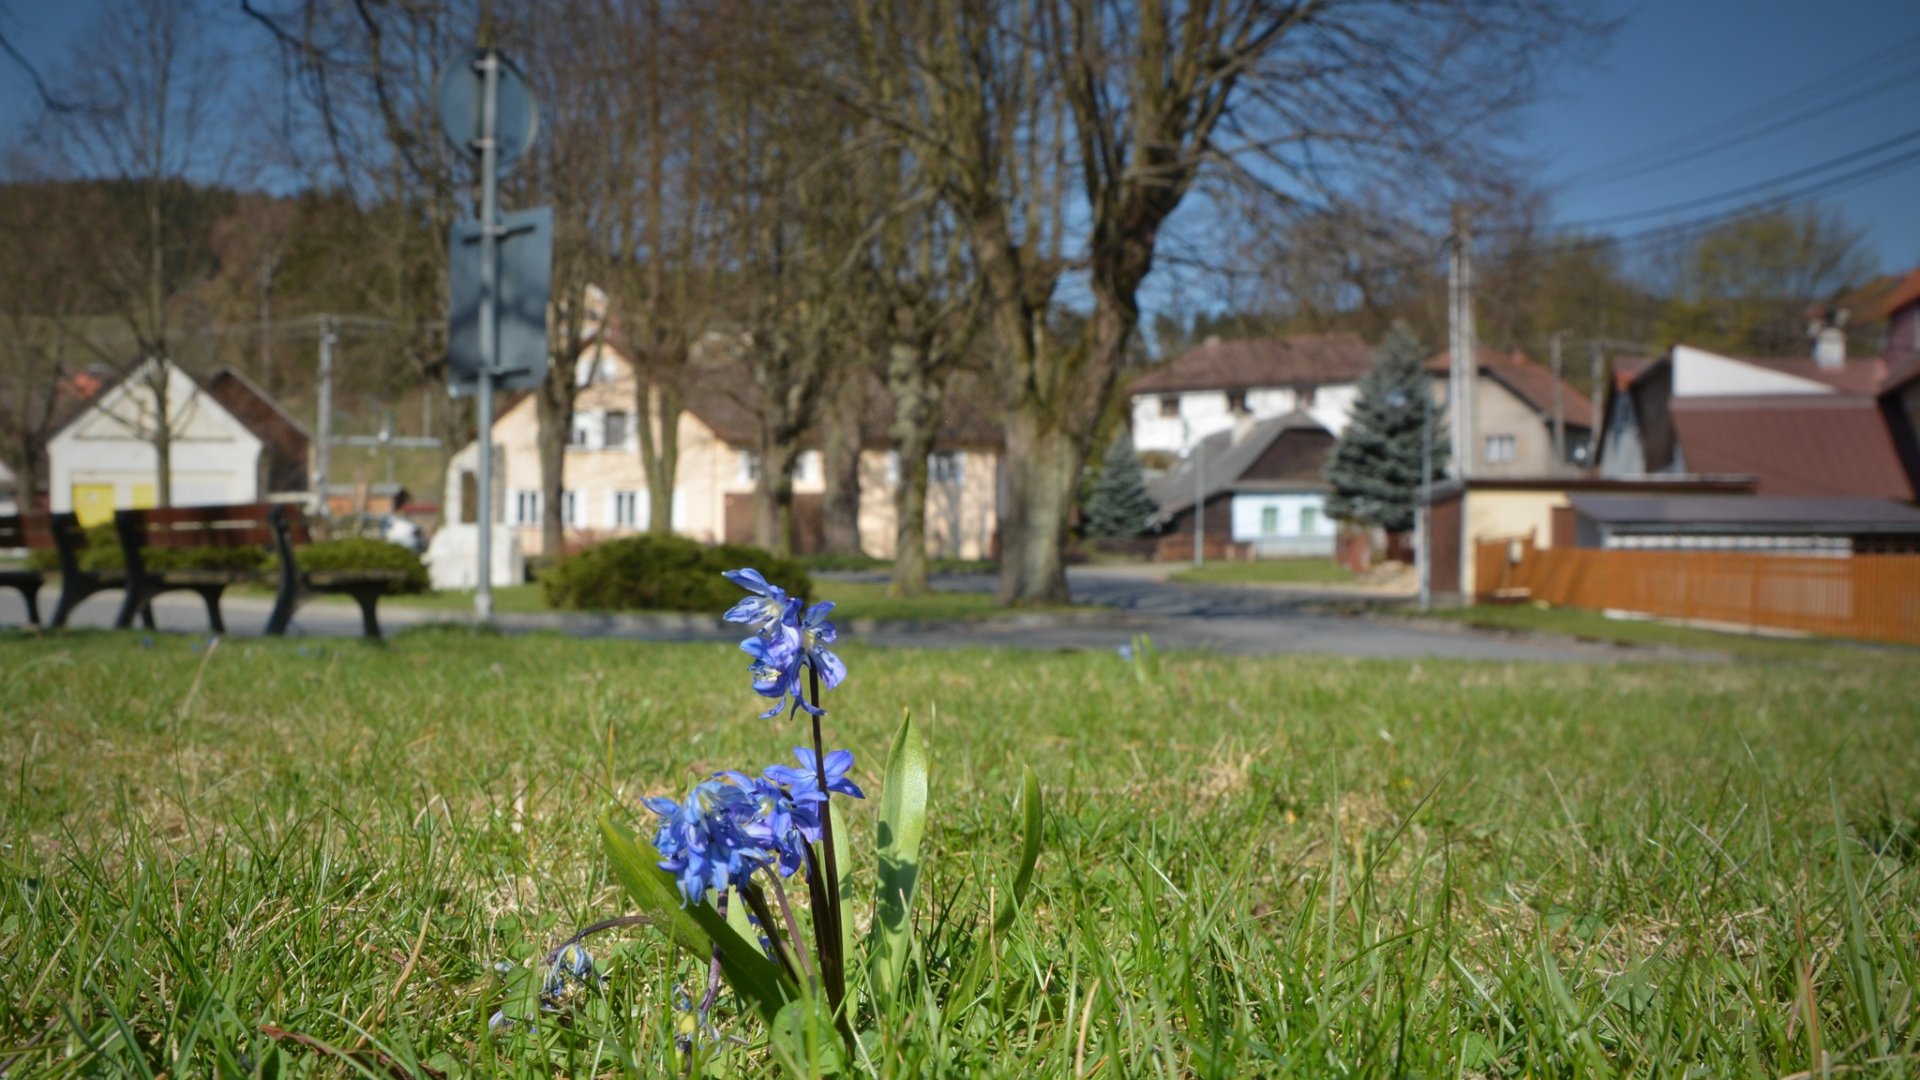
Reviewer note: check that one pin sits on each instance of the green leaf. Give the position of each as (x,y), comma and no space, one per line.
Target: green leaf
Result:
(696,926)
(803,1039)
(903,818)
(1029,850)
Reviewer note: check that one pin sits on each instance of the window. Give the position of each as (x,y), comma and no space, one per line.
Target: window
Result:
(1309,520)
(580,435)
(1500,449)
(570,508)
(526,507)
(618,430)
(1236,401)
(749,466)
(946,467)
(1269,520)
(626,509)
(806,468)
(1169,405)
(893,466)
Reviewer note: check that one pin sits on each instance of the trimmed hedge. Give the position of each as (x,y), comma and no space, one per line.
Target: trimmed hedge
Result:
(102,553)
(662,573)
(362,553)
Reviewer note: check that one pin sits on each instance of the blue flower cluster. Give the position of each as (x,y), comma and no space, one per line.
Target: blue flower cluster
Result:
(733,824)
(788,636)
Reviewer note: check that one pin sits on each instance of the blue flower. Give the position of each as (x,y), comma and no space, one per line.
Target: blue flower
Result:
(782,820)
(816,633)
(804,782)
(703,841)
(775,667)
(766,606)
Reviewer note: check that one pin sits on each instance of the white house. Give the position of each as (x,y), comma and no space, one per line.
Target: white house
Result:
(230,444)
(1208,389)
(1259,488)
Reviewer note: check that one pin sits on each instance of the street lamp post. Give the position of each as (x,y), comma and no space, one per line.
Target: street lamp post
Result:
(1200,503)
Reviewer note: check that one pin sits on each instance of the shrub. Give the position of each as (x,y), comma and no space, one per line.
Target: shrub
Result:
(362,553)
(661,573)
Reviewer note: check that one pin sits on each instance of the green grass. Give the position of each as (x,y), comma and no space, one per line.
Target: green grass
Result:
(854,600)
(1252,867)
(1267,572)
(1595,626)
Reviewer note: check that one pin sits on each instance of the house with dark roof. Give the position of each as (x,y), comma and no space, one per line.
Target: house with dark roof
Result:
(1799,426)
(1211,388)
(605,484)
(1772,524)
(1521,412)
(230,443)
(1256,487)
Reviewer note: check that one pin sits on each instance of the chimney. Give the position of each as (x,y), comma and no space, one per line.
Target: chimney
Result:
(1829,338)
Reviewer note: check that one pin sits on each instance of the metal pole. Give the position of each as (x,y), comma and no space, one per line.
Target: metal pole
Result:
(323,449)
(1559,406)
(489,346)
(1200,502)
(1426,499)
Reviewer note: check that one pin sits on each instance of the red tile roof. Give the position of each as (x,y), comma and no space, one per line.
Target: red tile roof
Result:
(1855,376)
(1530,382)
(1257,362)
(1906,292)
(1796,445)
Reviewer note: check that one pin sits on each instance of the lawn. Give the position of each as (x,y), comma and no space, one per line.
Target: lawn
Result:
(1267,572)
(1252,867)
(854,600)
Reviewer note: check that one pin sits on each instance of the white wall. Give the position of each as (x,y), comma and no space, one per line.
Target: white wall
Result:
(1699,373)
(216,459)
(1204,412)
(1249,512)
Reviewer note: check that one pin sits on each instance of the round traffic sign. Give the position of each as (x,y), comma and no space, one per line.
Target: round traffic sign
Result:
(462,93)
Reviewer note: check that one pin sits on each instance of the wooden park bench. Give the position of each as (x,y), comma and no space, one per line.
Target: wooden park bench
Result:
(249,531)
(366,586)
(62,534)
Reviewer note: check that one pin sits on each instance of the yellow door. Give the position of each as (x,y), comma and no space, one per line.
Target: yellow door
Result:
(93,503)
(142,497)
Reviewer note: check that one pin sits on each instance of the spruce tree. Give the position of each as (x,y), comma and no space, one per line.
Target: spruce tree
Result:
(1375,467)
(1117,505)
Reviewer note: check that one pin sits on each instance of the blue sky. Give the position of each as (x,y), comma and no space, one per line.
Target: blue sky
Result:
(1681,76)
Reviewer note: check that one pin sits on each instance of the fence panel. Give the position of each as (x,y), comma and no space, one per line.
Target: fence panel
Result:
(1862,596)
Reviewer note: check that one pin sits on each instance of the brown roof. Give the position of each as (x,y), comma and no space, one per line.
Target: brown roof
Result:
(1906,292)
(259,413)
(1256,362)
(1853,376)
(1628,369)
(1530,382)
(1827,444)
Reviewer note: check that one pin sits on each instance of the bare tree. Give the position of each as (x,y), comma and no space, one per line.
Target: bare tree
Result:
(143,122)
(1113,112)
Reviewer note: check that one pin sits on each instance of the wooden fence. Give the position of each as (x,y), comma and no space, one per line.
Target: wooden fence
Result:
(1861,596)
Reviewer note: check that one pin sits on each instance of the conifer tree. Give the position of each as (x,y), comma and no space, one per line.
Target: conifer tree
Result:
(1375,467)
(1117,505)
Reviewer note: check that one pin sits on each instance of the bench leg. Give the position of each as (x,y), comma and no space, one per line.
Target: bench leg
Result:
(211,595)
(138,599)
(283,607)
(70,598)
(31,594)
(369,621)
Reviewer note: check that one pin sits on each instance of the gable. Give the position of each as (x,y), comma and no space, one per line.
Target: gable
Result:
(1298,454)
(126,412)
(1699,373)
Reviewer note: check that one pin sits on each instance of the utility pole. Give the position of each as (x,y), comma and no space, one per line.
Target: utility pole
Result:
(1200,502)
(1463,364)
(1597,358)
(1559,404)
(1420,522)
(489,146)
(323,449)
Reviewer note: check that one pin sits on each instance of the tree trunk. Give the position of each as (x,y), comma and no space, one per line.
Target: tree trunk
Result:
(915,399)
(840,459)
(554,411)
(773,492)
(1043,465)
(159,383)
(657,416)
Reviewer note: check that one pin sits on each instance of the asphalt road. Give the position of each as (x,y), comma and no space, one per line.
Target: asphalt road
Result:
(1244,621)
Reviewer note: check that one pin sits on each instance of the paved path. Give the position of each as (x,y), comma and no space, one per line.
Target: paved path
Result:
(1259,622)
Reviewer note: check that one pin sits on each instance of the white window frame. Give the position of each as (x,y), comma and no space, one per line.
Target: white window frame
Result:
(527,506)
(947,467)
(748,466)
(1309,521)
(630,519)
(626,440)
(893,467)
(573,509)
(1270,513)
(1500,449)
(583,430)
(807,467)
